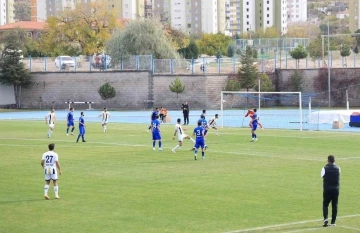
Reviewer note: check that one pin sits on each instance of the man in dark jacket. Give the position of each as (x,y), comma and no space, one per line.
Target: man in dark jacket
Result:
(331,182)
(186,111)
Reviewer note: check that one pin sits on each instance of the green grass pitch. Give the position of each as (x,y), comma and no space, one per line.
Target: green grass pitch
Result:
(115,182)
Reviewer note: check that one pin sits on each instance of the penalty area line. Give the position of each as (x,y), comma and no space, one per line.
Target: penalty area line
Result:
(288,224)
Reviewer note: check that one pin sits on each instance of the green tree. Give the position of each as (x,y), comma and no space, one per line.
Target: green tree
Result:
(296,81)
(82,30)
(248,72)
(231,51)
(315,49)
(177,87)
(298,53)
(255,53)
(12,70)
(142,37)
(210,43)
(232,85)
(265,83)
(106,91)
(190,51)
(345,51)
(218,54)
(22,10)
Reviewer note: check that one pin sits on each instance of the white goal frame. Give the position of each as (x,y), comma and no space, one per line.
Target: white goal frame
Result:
(260,93)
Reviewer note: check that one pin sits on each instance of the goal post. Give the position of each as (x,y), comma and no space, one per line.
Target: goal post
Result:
(281,110)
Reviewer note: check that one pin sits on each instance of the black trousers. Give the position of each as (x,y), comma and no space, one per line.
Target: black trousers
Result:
(186,119)
(332,196)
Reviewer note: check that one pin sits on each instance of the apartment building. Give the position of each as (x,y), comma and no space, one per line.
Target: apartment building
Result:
(3,15)
(254,15)
(10,12)
(354,15)
(126,9)
(297,11)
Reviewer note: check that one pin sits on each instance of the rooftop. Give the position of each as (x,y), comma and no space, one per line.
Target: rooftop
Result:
(27,25)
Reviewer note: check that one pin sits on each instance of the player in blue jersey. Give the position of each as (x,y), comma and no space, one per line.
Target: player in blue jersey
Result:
(200,140)
(81,128)
(153,117)
(70,122)
(254,124)
(205,126)
(156,134)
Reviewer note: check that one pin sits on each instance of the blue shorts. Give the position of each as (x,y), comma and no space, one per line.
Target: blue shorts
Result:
(254,126)
(156,135)
(70,123)
(200,143)
(81,130)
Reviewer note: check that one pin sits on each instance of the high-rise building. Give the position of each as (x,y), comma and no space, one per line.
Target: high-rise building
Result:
(148,6)
(10,11)
(192,16)
(254,15)
(3,15)
(354,15)
(297,11)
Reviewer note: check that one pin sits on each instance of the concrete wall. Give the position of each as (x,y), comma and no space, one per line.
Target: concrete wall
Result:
(201,91)
(132,88)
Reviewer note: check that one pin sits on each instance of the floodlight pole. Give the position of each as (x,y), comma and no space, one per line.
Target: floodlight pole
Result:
(329,86)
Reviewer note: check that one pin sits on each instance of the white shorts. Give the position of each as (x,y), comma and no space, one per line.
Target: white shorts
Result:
(50,173)
(181,137)
(52,125)
(104,122)
(212,126)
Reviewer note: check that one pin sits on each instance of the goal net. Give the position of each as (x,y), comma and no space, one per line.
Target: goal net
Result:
(277,110)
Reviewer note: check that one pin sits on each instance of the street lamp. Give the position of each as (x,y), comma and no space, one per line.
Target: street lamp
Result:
(328,40)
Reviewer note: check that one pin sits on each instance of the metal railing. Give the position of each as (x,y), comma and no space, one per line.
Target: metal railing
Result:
(267,61)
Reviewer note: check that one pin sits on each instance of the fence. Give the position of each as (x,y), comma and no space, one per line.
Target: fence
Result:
(268,60)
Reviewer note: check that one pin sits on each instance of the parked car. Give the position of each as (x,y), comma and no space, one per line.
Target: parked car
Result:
(64,60)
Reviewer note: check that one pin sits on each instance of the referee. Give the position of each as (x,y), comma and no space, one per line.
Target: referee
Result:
(331,179)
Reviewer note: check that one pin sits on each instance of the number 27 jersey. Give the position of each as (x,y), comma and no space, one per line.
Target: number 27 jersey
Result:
(50,159)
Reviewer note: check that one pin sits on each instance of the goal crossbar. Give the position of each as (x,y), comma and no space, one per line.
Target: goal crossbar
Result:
(259,102)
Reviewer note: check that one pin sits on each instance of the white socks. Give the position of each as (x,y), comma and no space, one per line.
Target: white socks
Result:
(46,189)
(192,140)
(56,190)
(176,147)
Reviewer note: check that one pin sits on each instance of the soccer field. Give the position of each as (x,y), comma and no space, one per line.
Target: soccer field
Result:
(115,182)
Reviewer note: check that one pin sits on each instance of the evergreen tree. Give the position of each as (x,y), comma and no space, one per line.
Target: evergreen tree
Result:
(298,53)
(231,51)
(248,72)
(345,51)
(191,51)
(12,70)
(177,87)
(107,91)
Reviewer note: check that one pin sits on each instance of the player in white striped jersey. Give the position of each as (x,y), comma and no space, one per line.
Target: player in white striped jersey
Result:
(212,124)
(105,117)
(181,135)
(51,165)
(50,119)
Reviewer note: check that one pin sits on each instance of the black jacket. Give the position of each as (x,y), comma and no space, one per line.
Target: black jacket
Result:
(185,108)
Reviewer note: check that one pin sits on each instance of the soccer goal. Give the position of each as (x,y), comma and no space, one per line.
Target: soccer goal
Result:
(277,110)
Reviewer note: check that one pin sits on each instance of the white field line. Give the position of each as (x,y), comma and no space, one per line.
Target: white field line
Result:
(111,144)
(351,228)
(290,136)
(303,230)
(288,224)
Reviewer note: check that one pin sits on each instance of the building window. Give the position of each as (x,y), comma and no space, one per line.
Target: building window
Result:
(247,23)
(268,8)
(247,3)
(268,15)
(247,16)
(267,2)
(260,24)
(268,22)
(247,9)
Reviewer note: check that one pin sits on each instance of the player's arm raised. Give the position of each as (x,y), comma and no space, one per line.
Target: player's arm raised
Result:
(58,167)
